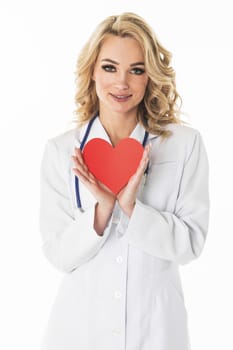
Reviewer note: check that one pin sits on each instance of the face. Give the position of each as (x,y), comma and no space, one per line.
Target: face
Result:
(120,76)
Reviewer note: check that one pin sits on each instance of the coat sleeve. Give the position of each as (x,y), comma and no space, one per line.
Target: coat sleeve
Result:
(69,239)
(178,236)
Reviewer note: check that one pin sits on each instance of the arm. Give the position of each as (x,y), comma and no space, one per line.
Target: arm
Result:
(69,238)
(178,236)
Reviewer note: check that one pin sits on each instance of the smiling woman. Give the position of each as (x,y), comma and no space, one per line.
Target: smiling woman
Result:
(139,50)
(120,81)
(121,249)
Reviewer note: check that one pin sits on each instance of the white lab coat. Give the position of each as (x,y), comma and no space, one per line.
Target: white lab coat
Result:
(122,290)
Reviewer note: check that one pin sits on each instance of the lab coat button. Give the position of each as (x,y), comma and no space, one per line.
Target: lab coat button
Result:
(117,294)
(119,259)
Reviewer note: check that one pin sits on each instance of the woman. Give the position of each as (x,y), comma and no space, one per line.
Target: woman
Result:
(120,253)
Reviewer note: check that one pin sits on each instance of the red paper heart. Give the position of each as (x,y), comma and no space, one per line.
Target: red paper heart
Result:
(113,166)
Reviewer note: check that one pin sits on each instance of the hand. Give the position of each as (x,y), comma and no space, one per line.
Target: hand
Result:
(101,193)
(127,196)
(104,197)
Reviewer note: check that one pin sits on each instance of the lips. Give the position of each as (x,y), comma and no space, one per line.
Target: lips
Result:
(121,98)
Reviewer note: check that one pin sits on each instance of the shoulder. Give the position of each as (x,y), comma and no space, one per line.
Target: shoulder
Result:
(183,135)
(181,131)
(180,143)
(66,141)
(59,148)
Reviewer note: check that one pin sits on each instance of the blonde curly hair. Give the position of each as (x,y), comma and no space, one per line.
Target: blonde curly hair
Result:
(159,106)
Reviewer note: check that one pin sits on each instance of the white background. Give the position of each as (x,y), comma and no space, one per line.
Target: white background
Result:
(39,44)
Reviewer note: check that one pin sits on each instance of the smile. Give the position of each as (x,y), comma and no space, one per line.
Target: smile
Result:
(121,98)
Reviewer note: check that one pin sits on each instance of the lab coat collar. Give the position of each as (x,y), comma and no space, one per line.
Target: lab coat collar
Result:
(98,131)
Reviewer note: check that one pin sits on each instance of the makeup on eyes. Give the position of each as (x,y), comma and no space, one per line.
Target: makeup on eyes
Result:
(112,67)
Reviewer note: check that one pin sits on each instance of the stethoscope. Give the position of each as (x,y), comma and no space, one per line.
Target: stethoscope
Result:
(82,144)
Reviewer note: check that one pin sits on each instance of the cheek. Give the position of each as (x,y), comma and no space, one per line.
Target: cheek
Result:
(103,82)
(145,82)
(141,86)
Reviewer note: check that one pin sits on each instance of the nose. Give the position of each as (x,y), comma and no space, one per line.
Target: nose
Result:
(121,81)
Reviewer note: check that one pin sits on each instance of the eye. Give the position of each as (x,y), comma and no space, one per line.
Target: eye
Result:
(108,68)
(137,71)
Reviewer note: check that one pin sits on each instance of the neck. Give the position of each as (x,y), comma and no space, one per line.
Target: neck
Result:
(118,127)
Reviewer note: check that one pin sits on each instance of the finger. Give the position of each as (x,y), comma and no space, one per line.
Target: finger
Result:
(148,148)
(143,163)
(78,159)
(86,177)
(80,172)
(80,168)
(146,152)
(81,175)
(78,164)
(136,178)
(93,179)
(145,158)
(79,156)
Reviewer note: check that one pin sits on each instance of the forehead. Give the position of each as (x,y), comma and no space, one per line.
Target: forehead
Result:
(118,48)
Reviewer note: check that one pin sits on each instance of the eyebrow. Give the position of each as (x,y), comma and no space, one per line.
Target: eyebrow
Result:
(131,65)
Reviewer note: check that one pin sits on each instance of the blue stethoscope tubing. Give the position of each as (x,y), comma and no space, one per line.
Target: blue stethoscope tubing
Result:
(82,144)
